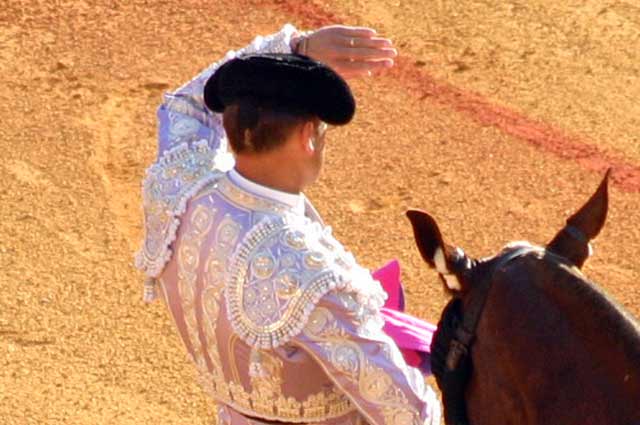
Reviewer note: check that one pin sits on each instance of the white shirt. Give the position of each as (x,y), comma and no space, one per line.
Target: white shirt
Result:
(294,200)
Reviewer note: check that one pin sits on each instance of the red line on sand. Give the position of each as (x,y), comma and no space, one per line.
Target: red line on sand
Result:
(626,176)
(544,136)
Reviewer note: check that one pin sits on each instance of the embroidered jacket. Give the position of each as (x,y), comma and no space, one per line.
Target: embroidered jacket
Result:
(280,321)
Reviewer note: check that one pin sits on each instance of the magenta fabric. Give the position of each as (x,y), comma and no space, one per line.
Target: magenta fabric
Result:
(412,335)
(389,277)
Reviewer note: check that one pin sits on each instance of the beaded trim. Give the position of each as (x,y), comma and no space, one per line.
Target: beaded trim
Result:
(169,184)
(266,315)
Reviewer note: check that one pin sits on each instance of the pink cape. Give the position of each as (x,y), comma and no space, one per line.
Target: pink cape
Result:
(412,335)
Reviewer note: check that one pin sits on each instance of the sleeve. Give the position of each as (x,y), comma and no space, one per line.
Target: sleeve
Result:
(291,282)
(192,151)
(183,117)
(347,340)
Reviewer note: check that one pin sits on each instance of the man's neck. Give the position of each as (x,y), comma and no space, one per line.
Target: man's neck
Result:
(270,172)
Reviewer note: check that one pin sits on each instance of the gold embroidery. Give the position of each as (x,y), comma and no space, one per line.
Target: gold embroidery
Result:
(200,223)
(227,233)
(314,260)
(168,185)
(277,276)
(266,381)
(374,384)
(287,285)
(263,265)
(345,357)
(240,398)
(266,376)
(265,399)
(295,239)
(246,200)
(235,374)
(288,407)
(265,403)
(211,308)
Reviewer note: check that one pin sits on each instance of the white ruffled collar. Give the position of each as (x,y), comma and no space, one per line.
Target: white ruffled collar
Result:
(295,201)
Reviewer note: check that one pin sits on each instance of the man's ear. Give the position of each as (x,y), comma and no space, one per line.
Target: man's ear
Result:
(307,137)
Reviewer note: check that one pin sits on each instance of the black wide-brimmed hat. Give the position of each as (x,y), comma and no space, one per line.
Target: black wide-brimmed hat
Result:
(294,83)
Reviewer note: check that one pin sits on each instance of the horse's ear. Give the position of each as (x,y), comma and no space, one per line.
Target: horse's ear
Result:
(432,248)
(427,235)
(572,242)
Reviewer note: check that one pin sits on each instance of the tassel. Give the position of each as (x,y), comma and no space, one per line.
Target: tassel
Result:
(150,290)
(256,370)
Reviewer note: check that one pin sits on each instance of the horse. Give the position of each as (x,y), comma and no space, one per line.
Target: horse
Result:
(547,346)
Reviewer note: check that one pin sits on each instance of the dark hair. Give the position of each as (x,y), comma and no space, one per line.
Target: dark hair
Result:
(268,127)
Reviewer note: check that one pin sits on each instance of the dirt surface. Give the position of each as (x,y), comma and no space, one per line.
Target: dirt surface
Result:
(499,120)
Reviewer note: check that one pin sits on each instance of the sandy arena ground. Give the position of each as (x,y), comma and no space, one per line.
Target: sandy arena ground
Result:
(499,119)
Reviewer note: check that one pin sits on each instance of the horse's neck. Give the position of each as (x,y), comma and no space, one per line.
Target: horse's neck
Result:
(550,346)
(604,326)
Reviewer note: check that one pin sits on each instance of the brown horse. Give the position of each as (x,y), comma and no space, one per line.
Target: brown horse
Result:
(548,347)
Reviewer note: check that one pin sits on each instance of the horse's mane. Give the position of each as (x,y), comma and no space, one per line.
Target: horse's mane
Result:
(608,312)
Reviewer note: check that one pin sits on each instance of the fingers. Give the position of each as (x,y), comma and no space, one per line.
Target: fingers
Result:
(362,54)
(357,49)
(350,69)
(351,51)
(347,31)
(372,43)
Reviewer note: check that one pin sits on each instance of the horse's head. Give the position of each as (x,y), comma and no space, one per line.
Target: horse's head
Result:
(457,270)
(547,345)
